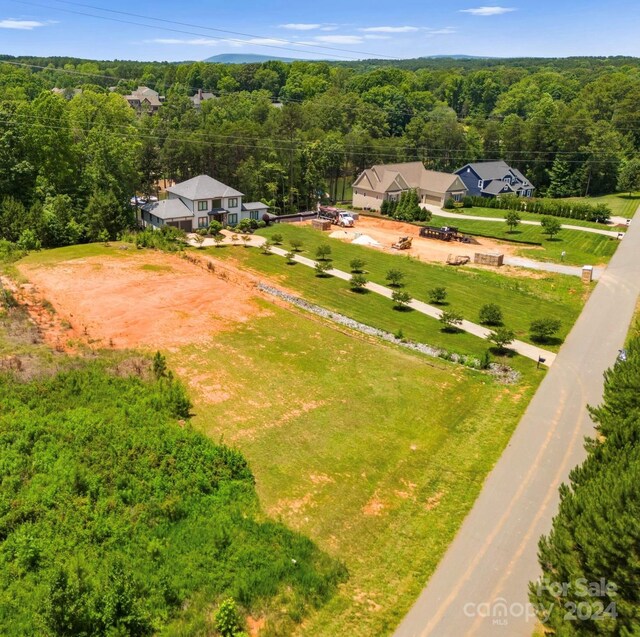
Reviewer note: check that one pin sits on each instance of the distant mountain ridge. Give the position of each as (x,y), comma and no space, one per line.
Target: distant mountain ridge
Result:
(245,58)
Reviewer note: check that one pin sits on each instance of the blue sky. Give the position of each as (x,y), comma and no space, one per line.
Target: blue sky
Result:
(339,29)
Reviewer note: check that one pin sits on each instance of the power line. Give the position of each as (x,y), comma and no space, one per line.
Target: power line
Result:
(217,30)
(181,31)
(293,145)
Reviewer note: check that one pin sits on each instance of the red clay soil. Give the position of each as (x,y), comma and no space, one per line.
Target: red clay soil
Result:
(143,299)
(387,232)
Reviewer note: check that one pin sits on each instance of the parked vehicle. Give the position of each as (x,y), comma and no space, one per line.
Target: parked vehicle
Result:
(337,217)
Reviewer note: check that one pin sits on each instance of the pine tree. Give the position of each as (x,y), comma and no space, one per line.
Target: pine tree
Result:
(561,179)
(596,534)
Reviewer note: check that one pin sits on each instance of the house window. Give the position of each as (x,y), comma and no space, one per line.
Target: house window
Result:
(216,203)
(457,197)
(508,179)
(203,222)
(232,218)
(253,215)
(480,184)
(202,205)
(233,202)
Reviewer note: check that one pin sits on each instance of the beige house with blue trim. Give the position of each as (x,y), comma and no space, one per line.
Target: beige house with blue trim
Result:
(196,202)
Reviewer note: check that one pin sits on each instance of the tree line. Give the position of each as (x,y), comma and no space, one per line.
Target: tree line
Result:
(589,559)
(288,133)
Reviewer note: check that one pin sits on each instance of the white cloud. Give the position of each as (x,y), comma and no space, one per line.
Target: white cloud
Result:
(443,31)
(373,36)
(486,11)
(193,41)
(389,29)
(23,25)
(339,39)
(211,42)
(301,26)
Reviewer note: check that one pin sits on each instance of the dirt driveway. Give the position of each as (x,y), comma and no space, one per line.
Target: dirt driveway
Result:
(387,232)
(141,299)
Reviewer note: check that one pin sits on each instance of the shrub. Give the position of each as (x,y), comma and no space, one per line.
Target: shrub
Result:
(296,245)
(449,204)
(467,202)
(401,299)
(395,278)
(323,252)
(227,619)
(437,295)
(214,227)
(502,337)
(358,282)
(541,330)
(218,239)
(357,265)
(485,360)
(321,268)
(277,239)
(244,226)
(451,320)
(490,314)
(29,241)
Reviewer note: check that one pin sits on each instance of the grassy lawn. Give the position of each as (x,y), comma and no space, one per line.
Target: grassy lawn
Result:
(621,204)
(581,247)
(81,251)
(496,213)
(468,289)
(374,453)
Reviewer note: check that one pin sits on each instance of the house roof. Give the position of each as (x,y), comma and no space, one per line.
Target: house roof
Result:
(497,187)
(255,205)
(168,209)
(143,93)
(490,170)
(393,177)
(521,177)
(203,187)
(201,96)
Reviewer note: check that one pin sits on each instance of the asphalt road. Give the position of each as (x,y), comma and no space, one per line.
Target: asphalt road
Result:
(494,555)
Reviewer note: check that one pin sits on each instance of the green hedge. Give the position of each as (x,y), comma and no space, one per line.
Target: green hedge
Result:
(599,213)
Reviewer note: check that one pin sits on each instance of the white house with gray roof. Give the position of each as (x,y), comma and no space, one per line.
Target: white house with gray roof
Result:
(196,202)
(493,179)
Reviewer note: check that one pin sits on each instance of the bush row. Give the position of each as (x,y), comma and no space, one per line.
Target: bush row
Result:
(599,213)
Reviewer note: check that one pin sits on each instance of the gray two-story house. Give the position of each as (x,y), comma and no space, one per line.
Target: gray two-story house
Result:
(493,179)
(196,202)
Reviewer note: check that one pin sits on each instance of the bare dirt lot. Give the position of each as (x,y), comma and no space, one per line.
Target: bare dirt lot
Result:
(387,232)
(139,300)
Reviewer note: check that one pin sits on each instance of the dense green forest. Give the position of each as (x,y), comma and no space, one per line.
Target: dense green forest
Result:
(285,132)
(117,518)
(596,532)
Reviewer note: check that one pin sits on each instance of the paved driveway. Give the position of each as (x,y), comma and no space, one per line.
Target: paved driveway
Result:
(493,557)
